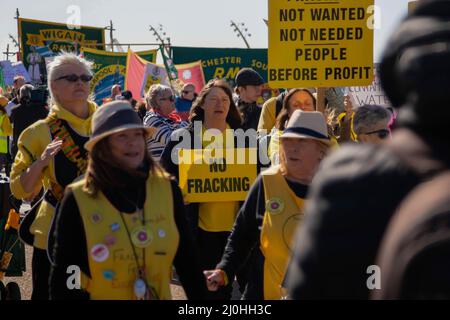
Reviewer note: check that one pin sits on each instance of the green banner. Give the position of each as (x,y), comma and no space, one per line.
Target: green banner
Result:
(110,69)
(2,80)
(223,62)
(57,37)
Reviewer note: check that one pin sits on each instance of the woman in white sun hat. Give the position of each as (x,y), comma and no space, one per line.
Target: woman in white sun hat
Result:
(123,223)
(265,226)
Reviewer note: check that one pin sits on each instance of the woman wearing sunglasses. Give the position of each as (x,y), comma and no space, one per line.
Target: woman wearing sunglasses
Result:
(183,103)
(162,117)
(51,155)
(371,123)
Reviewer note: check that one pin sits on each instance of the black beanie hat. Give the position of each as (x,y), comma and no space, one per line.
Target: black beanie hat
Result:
(415,69)
(248,77)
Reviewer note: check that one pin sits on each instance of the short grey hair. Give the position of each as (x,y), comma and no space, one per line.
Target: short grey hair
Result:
(155,91)
(25,91)
(54,68)
(369,115)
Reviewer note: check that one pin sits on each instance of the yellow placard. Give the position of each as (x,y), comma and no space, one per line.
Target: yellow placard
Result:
(320,43)
(216,175)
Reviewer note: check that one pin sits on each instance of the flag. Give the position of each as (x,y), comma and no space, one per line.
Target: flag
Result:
(110,69)
(2,80)
(192,73)
(141,74)
(168,63)
(45,52)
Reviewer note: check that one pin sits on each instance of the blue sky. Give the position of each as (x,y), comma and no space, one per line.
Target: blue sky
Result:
(198,23)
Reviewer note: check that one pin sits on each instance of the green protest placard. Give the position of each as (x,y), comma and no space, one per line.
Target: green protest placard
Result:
(317,43)
(223,62)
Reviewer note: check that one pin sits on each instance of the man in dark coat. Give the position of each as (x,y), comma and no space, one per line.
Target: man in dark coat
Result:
(25,114)
(248,87)
(360,186)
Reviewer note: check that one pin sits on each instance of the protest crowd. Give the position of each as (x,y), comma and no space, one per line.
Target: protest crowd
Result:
(222,188)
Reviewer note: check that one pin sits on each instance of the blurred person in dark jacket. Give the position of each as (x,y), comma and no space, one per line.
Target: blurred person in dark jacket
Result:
(25,114)
(359,187)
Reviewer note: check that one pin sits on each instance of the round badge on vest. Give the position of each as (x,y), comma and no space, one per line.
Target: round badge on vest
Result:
(99,252)
(161,233)
(141,236)
(110,240)
(275,205)
(96,218)
(109,274)
(114,227)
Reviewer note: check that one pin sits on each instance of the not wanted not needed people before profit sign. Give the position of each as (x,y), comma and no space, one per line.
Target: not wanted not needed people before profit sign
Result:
(314,43)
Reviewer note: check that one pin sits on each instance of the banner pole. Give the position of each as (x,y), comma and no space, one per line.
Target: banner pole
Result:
(19,39)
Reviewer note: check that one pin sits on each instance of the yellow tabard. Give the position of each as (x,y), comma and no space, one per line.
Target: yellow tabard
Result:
(111,260)
(339,120)
(3,138)
(284,212)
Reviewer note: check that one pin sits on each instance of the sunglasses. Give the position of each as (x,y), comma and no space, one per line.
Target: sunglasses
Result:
(75,78)
(186,92)
(171,98)
(382,133)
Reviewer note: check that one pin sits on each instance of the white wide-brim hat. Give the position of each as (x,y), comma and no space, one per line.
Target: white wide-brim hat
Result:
(307,125)
(112,118)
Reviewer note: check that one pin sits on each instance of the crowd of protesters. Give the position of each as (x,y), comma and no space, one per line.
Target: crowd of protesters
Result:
(340,188)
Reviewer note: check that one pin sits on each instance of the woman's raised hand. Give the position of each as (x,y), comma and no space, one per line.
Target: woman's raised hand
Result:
(50,151)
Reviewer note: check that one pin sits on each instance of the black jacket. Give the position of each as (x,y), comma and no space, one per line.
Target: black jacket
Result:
(351,203)
(250,113)
(22,116)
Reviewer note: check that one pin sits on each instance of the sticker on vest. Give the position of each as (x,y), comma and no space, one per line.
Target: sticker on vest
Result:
(275,205)
(110,240)
(114,227)
(99,252)
(161,233)
(141,236)
(96,218)
(109,274)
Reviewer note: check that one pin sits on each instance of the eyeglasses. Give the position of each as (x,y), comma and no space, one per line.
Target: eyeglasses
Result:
(186,92)
(171,98)
(74,77)
(382,133)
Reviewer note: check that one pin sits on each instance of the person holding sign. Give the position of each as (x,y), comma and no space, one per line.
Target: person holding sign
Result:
(211,221)
(266,224)
(295,99)
(124,223)
(51,155)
